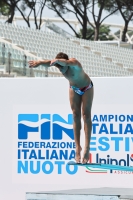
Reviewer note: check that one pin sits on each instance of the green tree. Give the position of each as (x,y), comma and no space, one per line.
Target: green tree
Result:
(97,17)
(82,9)
(4,8)
(76,7)
(104,33)
(28,7)
(126,11)
(10,7)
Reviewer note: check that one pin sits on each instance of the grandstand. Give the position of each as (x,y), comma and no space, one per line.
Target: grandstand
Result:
(120,56)
(19,45)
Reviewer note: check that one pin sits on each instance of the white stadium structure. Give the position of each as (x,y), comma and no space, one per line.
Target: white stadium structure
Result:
(20,44)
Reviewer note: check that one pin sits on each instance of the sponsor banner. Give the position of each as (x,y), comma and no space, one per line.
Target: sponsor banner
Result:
(43,143)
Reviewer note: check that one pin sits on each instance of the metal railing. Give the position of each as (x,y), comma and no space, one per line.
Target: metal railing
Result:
(3,53)
(20,67)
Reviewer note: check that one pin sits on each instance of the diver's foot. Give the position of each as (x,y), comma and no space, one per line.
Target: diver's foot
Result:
(86,155)
(78,155)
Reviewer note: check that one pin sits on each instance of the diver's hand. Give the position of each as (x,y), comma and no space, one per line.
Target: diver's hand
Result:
(34,63)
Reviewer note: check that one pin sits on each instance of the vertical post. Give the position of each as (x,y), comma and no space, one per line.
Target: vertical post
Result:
(9,62)
(75,27)
(14,21)
(78,28)
(45,28)
(24,64)
(43,24)
(3,53)
(46,71)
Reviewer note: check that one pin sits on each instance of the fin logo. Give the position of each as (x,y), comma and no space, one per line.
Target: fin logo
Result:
(42,144)
(47,126)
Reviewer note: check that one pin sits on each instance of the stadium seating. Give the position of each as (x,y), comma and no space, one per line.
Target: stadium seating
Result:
(118,55)
(43,45)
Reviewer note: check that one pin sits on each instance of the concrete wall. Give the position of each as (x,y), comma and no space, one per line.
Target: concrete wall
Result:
(112,95)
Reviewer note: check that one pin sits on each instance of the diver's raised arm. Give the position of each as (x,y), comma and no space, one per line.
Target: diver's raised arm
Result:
(64,62)
(36,63)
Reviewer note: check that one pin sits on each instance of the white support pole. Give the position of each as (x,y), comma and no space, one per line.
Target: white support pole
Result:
(14,22)
(76,27)
(114,36)
(44,25)
(129,39)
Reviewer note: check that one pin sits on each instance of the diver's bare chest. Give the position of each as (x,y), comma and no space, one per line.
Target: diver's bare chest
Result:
(73,72)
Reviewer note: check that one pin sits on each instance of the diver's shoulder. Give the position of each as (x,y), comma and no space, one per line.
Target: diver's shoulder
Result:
(76,61)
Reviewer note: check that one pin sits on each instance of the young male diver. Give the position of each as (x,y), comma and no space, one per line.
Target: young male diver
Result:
(80,95)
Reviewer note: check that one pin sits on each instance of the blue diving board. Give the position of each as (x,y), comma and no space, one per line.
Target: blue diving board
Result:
(103,166)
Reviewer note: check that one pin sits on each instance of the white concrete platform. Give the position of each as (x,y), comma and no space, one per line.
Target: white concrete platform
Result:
(84,194)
